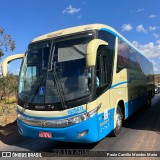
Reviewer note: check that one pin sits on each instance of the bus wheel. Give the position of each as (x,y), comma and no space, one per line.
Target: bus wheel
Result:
(119,118)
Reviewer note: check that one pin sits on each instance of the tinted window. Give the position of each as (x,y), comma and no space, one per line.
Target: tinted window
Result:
(108,37)
(129,58)
(122,59)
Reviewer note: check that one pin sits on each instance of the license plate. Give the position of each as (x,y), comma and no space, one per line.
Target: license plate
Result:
(45,134)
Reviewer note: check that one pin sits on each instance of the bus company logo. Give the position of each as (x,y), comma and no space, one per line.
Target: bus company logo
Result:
(40,107)
(76,110)
(43,123)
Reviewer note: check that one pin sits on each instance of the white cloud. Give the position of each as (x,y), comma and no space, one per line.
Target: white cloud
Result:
(71,10)
(127,27)
(153,28)
(140,10)
(153,16)
(18,70)
(155,66)
(155,35)
(140,28)
(155,69)
(158,41)
(150,50)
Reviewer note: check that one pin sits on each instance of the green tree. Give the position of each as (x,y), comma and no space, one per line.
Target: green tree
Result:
(6,42)
(8,85)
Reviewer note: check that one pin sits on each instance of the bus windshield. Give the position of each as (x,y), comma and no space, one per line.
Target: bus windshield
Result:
(55,69)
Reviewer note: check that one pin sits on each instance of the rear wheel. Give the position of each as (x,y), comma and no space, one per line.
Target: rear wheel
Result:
(118,118)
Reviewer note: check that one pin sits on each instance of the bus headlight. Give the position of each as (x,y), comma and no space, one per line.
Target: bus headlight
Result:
(75,120)
(94,111)
(84,116)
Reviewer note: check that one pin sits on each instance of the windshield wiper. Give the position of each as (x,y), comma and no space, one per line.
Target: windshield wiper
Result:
(57,81)
(59,90)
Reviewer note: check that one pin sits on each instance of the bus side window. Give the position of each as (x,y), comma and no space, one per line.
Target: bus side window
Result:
(104,67)
(122,59)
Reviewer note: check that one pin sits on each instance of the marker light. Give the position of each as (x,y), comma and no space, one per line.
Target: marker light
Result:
(82,134)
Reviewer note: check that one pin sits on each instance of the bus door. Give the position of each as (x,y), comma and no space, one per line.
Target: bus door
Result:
(103,82)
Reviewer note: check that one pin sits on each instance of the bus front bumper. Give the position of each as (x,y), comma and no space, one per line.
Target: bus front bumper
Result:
(83,132)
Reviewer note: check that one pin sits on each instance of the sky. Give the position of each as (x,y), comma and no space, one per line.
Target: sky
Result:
(137,20)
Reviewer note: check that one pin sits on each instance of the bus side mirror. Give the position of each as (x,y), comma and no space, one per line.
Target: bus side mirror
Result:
(91,51)
(8,60)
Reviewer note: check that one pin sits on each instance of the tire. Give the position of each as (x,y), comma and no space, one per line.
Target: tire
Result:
(119,118)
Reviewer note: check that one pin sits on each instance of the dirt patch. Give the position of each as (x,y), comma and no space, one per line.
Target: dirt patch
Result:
(8,115)
(8,129)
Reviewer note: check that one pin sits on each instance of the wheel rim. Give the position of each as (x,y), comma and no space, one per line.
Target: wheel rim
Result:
(118,121)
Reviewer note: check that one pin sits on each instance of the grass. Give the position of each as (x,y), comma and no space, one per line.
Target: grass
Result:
(8,105)
(11,100)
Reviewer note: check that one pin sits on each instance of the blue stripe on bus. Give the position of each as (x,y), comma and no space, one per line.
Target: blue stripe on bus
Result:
(114,33)
(117,84)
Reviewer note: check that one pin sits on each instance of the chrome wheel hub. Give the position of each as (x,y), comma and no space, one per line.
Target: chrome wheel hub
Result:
(118,120)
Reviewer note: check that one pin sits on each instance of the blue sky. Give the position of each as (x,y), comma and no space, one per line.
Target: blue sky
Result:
(136,20)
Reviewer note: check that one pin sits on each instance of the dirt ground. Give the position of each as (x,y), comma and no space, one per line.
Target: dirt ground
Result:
(8,113)
(8,118)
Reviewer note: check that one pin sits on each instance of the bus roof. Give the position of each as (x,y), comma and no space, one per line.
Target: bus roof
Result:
(70,31)
(82,28)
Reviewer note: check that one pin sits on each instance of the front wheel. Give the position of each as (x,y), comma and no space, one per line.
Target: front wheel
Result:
(119,117)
